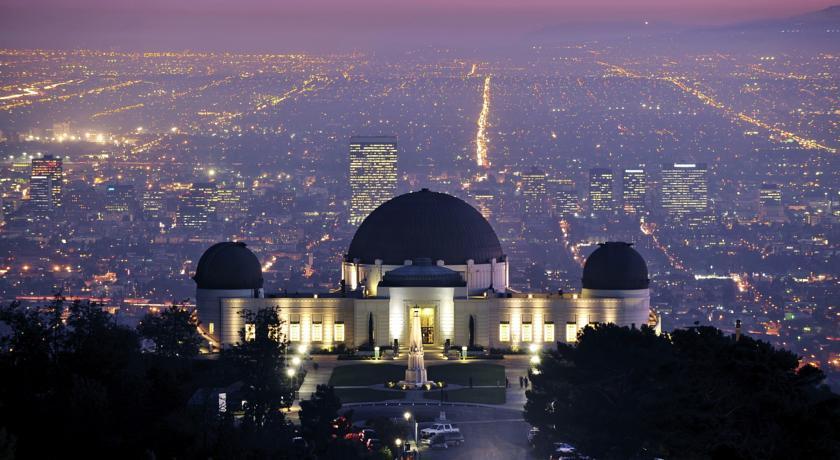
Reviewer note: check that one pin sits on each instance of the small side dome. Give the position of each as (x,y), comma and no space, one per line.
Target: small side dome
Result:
(422,273)
(615,265)
(228,265)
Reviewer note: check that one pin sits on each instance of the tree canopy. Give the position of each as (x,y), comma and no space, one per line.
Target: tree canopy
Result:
(694,393)
(173,331)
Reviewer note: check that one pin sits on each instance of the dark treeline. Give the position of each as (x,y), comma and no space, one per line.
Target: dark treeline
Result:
(77,385)
(692,393)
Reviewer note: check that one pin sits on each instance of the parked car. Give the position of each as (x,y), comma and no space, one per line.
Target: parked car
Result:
(438,428)
(563,451)
(373,444)
(369,433)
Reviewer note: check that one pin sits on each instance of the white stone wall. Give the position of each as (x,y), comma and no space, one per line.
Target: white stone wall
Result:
(208,303)
(303,310)
(479,277)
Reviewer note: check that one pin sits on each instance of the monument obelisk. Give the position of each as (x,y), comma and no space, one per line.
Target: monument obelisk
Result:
(415,375)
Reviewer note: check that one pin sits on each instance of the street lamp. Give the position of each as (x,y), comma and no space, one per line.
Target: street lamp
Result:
(296,360)
(407,416)
(398,442)
(533,348)
(290,372)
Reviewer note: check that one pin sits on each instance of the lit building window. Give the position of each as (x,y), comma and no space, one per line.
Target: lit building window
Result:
(211,328)
(504,331)
(338,332)
(317,332)
(250,331)
(548,332)
(527,332)
(571,332)
(294,332)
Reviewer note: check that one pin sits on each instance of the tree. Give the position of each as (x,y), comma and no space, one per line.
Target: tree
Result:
(370,329)
(696,393)
(472,332)
(260,361)
(174,332)
(317,415)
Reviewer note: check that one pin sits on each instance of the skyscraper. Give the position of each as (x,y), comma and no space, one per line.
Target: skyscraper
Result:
(197,206)
(564,198)
(152,202)
(770,208)
(484,200)
(45,183)
(634,185)
(534,193)
(601,190)
(119,200)
(685,193)
(373,174)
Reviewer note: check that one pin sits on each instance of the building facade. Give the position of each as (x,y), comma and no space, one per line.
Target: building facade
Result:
(433,252)
(601,191)
(685,193)
(373,174)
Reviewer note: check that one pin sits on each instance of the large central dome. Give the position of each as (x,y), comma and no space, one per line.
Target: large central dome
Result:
(425,224)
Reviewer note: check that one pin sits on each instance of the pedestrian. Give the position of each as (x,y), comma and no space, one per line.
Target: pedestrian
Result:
(507,383)
(526,382)
(520,382)
(314,365)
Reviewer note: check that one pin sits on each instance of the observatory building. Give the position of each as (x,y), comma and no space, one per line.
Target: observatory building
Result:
(428,253)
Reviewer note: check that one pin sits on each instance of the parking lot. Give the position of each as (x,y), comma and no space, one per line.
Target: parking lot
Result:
(489,433)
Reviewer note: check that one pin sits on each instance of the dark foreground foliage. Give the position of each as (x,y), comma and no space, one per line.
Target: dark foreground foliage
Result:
(694,393)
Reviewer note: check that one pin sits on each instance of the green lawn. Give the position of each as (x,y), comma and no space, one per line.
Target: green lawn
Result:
(460,373)
(470,395)
(366,374)
(352,395)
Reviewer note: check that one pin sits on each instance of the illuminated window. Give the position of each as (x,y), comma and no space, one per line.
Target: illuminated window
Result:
(250,331)
(338,331)
(548,332)
(504,331)
(527,332)
(571,332)
(211,328)
(294,332)
(317,332)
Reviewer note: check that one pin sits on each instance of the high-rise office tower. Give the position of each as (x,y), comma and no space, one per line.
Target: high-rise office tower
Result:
(601,190)
(45,182)
(633,190)
(534,193)
(119,199)
(685,193)
(373,174)
(770,208)
(197,207)
(152,202)
(564,198)
(485,202)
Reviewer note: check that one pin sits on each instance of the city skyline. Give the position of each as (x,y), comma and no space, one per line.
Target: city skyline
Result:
(222,225)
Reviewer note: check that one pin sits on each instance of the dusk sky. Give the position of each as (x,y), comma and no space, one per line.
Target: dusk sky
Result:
(261,25)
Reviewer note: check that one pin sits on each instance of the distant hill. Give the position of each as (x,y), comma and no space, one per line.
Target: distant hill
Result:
(819,29)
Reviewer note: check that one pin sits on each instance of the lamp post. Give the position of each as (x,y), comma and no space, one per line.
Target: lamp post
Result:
(407,416)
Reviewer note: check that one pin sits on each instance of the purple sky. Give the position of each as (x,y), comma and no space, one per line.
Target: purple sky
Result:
(302,24)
